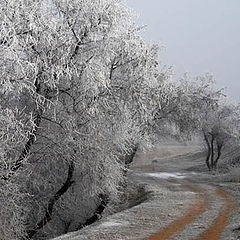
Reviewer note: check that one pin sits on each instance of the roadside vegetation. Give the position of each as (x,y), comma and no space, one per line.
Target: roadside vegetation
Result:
(80,92)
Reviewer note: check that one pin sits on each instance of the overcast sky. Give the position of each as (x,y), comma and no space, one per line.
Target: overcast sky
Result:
(199,36)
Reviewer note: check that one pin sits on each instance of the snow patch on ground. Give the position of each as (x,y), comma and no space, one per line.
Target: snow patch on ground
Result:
(165,175)
(191,193)
(112,223)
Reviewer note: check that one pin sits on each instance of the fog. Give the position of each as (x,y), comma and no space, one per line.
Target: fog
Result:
(196,36)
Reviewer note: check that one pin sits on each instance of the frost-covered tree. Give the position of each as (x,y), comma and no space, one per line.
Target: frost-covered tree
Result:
(212,115)
(220,128)
(77,93)
(182,102)
(199,107)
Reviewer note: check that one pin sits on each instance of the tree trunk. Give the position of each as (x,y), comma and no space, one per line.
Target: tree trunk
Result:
(48,215)
(209,151)
(97,214)
(219,153)
(212,151)
(129,157)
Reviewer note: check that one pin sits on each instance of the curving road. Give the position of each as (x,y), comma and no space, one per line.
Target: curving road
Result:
(207,198)
(184,202)
(201,205)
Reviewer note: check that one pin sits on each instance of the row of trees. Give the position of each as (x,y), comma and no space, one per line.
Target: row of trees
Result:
(76,96)
(79,91)
(198,107)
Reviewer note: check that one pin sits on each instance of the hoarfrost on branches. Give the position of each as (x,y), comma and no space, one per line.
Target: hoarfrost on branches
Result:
(76,97)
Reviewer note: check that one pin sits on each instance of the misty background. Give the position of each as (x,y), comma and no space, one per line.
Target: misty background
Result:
(197,36)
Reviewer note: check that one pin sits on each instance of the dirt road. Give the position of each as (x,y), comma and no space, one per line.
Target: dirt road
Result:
(207,198)
(183,203)
(201,205)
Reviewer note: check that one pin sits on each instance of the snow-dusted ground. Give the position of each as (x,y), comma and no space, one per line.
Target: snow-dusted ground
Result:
(165,175)
(173,182)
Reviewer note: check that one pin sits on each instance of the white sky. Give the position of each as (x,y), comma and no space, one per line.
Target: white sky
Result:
(199,36)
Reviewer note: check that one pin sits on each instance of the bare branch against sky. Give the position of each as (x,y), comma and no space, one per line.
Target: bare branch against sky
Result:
(199,35)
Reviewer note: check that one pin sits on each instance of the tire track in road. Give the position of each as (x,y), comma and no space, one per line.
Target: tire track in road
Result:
(214,231)
(194,210)
(218,225)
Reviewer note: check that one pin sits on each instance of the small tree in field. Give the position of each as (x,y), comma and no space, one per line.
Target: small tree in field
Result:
(220,128)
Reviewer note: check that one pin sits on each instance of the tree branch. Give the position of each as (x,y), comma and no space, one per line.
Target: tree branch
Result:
(32,138)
